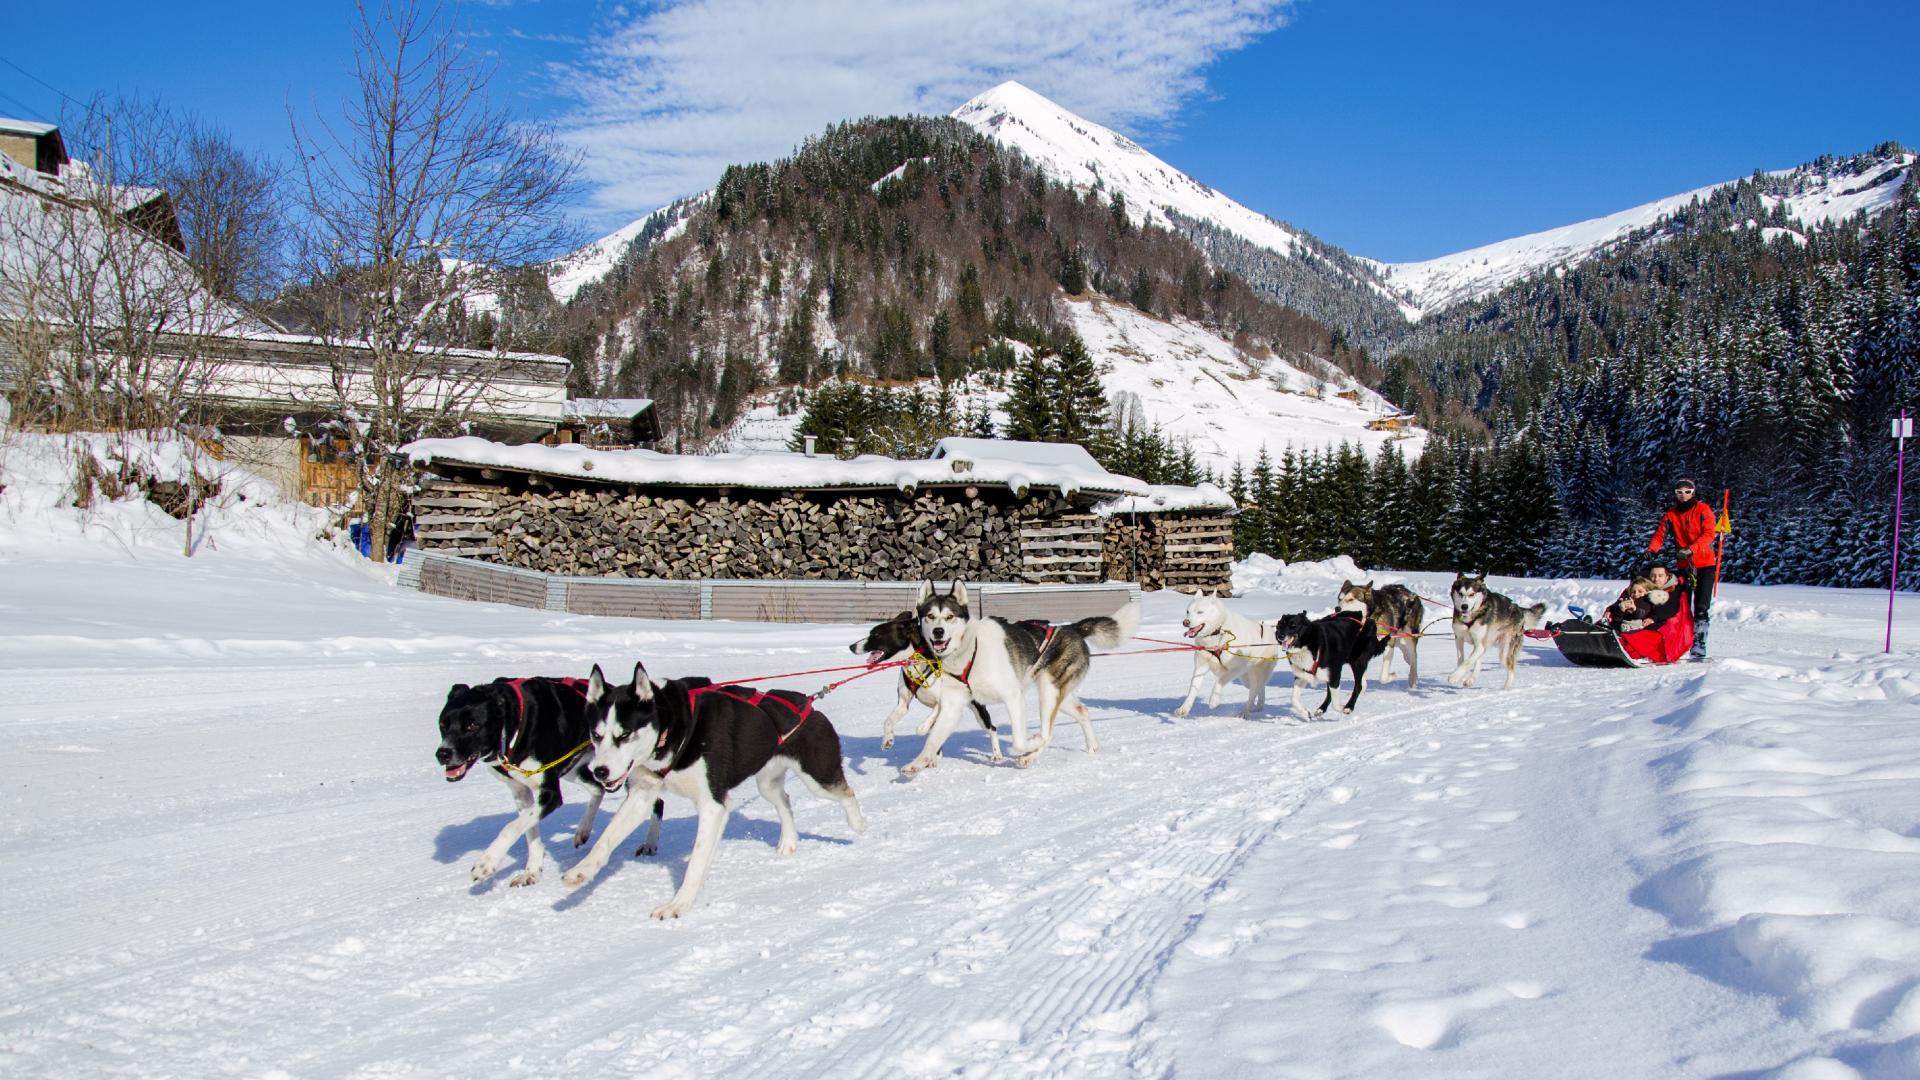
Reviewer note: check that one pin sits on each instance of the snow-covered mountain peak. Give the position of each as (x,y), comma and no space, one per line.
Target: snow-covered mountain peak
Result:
(1082,153)
(1813,194)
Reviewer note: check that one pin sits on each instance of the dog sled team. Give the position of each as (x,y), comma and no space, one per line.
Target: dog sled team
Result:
(701,740)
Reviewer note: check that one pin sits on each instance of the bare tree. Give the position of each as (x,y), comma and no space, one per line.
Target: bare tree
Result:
(421,197)
(104,325)
(228,207)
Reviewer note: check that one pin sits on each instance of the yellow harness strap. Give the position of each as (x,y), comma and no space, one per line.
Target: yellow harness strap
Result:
(562,759)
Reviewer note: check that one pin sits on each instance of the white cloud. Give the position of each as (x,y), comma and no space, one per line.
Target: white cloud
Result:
(671,95)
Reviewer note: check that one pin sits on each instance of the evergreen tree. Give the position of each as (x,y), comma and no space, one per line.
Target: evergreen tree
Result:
(1029,404)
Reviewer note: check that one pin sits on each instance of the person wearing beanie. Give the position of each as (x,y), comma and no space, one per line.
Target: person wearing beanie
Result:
(1692,522)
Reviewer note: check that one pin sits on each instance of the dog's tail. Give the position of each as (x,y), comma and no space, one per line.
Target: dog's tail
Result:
(1109,631)
(1533,617)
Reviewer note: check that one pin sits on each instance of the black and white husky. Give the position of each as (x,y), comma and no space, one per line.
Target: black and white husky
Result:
(1484,619)
(994,660)
(701,741)
(1230,646)
(899,639)
(530,731)
(1396,614)
(1317,649)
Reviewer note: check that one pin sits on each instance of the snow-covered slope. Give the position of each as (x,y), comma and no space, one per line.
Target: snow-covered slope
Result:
(569,274)
(1196,386)
(1227,404)
(1817,198)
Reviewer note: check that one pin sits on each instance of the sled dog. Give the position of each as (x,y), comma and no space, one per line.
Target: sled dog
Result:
(1484,619)
(1230,646)
(1396,615)
(899,638)
(523,729)
(700,741)
(1317,649)
(994,660)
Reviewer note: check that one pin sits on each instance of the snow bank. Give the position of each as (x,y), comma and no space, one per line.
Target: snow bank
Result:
(246,519)
(1794,852)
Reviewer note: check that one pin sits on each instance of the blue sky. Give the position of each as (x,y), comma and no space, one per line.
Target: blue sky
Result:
(1397,129)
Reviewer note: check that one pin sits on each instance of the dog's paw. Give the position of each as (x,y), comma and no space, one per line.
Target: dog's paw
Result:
(886,743)
(788,845)
(1470,680)
(580,839)
(573,879)
(485,869)
(996,758)
(670,910)
(1182,710)
(1346,712)
(523,878)
(914,766)
(645,851)
(1025,760)
(1455,679)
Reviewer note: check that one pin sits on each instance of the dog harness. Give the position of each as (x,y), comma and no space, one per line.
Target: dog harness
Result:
(756,700)
(578,686)
(921,671)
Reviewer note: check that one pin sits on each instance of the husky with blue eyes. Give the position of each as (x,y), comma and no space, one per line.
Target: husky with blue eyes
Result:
(691,738)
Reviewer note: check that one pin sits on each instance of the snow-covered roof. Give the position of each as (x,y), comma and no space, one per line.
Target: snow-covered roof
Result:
(1168,498)
(1065,455)
(606,408)
(26,127)
(775,470)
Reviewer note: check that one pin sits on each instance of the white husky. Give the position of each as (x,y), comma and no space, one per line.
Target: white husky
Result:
(1231,646)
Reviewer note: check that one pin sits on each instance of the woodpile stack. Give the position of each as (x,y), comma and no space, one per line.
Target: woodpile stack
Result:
(603,531)
(1063,548)
(686,535)
(1191,552)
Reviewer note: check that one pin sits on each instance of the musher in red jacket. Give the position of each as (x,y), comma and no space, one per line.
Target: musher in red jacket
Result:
(1692,522)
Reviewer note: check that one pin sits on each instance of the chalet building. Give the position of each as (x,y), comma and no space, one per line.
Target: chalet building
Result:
(607,424)
(275,397)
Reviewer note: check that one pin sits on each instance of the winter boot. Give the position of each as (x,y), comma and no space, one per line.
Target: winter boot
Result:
(1699,650)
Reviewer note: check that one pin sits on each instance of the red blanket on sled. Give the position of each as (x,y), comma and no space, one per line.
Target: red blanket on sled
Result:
(1664,643)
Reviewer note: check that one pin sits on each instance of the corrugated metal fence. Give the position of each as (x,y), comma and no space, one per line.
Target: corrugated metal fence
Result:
(745,601)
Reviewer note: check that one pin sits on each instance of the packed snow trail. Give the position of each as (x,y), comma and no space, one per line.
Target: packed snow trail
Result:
(233,852)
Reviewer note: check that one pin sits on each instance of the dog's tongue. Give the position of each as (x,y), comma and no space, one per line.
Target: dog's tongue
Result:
(875,656)
(455,772)
(1193,631)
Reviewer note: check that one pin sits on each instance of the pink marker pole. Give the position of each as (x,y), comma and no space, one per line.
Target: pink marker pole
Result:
(1902,429)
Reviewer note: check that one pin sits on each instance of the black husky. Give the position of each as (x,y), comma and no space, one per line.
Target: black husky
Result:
(900,637)
(1318,648)
(531,731)
(701,741)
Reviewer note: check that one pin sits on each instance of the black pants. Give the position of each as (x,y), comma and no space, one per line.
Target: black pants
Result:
(1698,581)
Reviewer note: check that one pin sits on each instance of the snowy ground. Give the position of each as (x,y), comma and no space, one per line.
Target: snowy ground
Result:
(234,854)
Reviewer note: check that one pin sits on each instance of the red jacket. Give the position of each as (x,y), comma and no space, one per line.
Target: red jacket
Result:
(1693,527)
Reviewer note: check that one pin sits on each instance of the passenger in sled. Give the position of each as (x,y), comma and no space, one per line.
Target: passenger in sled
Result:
(1651,623)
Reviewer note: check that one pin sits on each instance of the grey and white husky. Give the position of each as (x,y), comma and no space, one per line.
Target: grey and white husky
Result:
(995,660)
(1484,619)
(1396,614)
